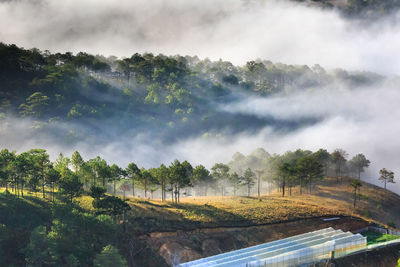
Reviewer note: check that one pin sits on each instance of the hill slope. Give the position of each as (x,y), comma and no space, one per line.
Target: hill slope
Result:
(203,226)
(329,198)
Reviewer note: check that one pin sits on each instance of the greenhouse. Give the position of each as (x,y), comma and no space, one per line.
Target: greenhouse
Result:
(308,248)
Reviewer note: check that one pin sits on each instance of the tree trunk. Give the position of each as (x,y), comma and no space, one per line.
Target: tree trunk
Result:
(355,197)
(259,186)
(133,187)
(22,186)
(114,185)
(162,190)
(248,190)
(44,195)
(145,188)
(301,187)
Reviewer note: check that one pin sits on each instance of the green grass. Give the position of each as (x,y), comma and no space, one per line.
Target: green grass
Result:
(374,237)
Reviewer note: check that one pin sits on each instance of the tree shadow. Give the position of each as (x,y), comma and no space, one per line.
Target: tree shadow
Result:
(151,217)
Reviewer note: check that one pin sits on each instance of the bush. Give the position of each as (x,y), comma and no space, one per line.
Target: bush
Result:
(391,224)
(109,257)
(367,213)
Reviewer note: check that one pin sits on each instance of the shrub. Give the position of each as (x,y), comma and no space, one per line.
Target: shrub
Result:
(391,224)
(367,213)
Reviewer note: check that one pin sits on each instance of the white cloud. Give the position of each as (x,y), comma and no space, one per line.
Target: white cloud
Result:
(233,30)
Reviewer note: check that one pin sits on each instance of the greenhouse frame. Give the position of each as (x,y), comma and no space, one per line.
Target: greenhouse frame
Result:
(304,249)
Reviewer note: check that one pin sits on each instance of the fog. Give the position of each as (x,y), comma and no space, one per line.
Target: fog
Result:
(237,31)
(362,120)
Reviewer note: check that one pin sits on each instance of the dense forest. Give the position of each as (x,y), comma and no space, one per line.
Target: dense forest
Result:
(88,98)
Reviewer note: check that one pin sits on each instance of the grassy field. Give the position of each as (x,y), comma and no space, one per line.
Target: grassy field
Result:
(374,204)
(327,199)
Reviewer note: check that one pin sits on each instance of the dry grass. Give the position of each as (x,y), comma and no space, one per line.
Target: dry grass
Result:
(327,199)
(330,198)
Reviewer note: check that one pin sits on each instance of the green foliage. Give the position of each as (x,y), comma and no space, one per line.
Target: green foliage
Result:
(386,176)
(248,179)
(110,205)
(367,213)
(70,185)
(73,239)
(109,257)
(38,252)
(97,192)
(375,237)
(36,105)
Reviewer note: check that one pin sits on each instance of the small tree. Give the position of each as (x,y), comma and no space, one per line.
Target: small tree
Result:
(111,205)
(109,257)
(220,172)
(202,178)
(133,173)
(356,184)
(77,162)
(6,157)
(97,192)
(52,176)
(285,170)
(38,252)
(310,169)
(386,176)
(179,178)
(71,186)
(339,158)
(124,187)
(359,162)
(116,174)
(235,180)
(248,179)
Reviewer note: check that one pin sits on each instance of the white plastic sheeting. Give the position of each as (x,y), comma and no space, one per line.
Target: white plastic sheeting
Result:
(296,250)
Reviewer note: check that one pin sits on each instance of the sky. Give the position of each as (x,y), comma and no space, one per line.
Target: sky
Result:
(358,120)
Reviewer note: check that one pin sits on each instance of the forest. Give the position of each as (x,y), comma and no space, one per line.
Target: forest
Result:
(67,97)
(48,238)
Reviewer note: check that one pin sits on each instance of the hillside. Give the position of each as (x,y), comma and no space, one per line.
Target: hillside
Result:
(203,223)
(157,229)
(71,99)
(328,199)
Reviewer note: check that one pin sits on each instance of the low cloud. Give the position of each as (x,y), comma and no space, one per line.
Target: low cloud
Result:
(237,31)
